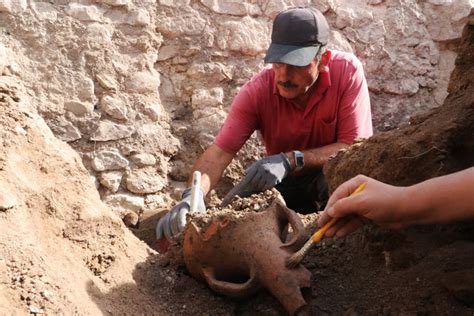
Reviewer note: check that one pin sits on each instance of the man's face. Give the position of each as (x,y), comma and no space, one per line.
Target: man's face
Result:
(293,81)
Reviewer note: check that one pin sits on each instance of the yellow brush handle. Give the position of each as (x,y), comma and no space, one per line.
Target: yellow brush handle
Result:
(320,233)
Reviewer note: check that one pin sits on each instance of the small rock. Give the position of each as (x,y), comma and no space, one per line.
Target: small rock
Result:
(143,159)
(106,82)
(36,310)
(7,200)
(110,131)
(131,219)
(79,108)
(108,160)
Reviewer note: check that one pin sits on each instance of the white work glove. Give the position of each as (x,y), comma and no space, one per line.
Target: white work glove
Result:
(174,221)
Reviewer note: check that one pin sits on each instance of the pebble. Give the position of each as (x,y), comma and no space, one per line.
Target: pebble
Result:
(36,310)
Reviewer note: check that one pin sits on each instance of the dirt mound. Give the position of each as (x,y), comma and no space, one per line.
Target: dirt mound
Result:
(61,249)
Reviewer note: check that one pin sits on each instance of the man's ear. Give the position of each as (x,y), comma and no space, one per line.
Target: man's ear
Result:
(325,58)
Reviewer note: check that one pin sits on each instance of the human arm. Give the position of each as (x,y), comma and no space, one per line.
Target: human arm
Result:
(315,158)
(211,164)
(439,200)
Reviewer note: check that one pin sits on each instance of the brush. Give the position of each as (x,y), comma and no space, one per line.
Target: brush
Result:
(295,259)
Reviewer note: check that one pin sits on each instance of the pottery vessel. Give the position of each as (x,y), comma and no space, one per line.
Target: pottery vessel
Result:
(236,256)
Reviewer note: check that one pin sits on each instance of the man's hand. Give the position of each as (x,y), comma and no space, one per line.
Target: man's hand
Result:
(264,174)
(174,221)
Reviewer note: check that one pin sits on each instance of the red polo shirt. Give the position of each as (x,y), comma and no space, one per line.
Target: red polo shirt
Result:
(338,111)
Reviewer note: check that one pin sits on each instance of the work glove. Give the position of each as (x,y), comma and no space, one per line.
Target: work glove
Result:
(174,221)
(264,174)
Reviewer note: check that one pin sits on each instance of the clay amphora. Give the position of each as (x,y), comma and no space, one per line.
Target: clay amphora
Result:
(238,255)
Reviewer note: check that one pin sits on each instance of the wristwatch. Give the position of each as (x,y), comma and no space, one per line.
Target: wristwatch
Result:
(299,160)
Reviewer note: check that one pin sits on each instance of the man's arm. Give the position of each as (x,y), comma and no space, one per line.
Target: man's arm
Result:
(211,164)
(316,158)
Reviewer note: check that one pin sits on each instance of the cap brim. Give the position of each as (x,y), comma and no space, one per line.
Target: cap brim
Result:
(291,55)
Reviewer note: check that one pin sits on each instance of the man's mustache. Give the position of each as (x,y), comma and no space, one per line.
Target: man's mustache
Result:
(287,84)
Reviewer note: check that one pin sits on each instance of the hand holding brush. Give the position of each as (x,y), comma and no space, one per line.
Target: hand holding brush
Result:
(295,259)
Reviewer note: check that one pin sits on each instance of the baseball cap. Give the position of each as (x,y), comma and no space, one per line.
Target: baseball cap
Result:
(297,35)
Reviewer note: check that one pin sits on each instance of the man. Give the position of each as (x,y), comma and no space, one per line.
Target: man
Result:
(311,103)
(435,201)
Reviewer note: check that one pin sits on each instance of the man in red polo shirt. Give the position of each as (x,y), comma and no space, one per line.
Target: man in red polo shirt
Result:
(311,103)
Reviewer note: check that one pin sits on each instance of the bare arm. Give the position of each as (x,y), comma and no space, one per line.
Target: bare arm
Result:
(439,200)
(211,164)
(442,199)
(316,158)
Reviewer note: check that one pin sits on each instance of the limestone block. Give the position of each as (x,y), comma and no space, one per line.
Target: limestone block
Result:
(144,181)
(211,72)
(274,7)
(139,17)
(13,6)
(451,13)
(153,111)
(5,6)
(232,7)
(344,17)
(116,3)
(79,108)
(122,203)
(145,82)
(338,41)
(114,107)
(248,36)
(207,98)
(440,2)
(106,81)
(186,23)
(167,52)
(111,180)
(98,33)
(207,122)
(157,138)
(84,88)
(406,86)
(44,11)
(84,12)
(175,3)
(110,131)
(143,159)
(64,130)
(154,201)
(108,160)
(428,50)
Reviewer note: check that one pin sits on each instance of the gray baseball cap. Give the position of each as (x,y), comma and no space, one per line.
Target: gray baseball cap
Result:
(297,35)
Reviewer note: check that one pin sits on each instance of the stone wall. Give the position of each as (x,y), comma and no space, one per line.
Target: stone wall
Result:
(140,88)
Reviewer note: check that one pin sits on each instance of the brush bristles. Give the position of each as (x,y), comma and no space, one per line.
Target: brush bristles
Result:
(295,259)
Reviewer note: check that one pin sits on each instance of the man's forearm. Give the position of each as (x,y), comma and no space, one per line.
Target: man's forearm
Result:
(211,164)
(316,158)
